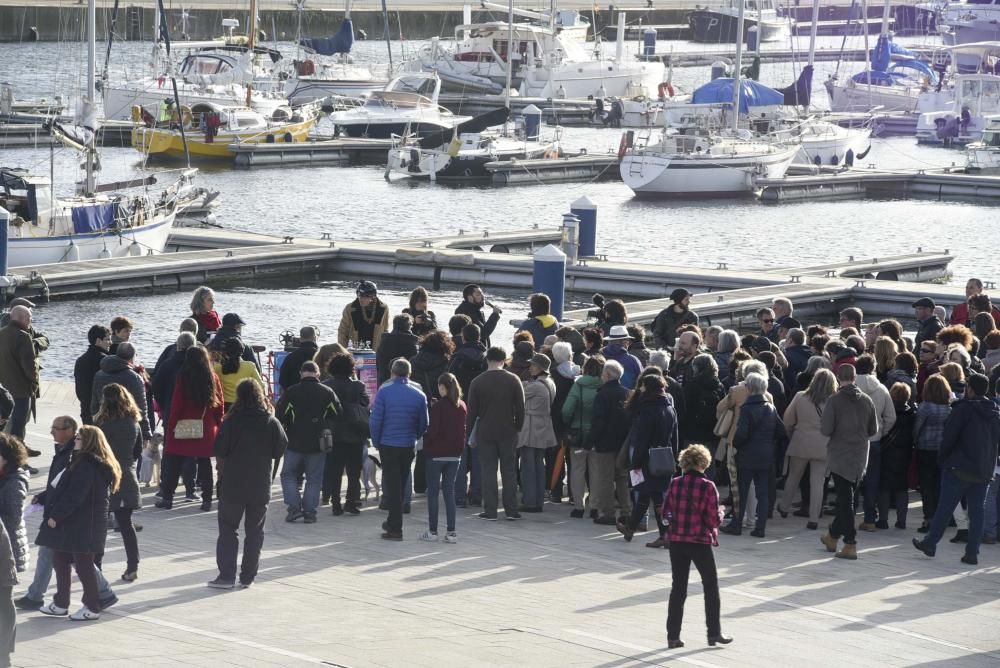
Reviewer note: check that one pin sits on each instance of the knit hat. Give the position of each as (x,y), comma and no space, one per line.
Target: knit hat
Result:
(678,295)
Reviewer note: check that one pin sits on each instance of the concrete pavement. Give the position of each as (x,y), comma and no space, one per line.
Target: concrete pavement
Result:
(546,591)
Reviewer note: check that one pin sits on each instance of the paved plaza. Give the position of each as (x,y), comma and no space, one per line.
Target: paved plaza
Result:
(546,591)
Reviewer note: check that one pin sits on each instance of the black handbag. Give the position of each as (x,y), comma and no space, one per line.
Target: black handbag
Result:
(661,461)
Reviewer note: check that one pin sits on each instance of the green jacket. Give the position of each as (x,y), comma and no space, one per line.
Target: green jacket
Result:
(580,400)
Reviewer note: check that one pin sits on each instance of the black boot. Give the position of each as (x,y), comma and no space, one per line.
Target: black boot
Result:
(961,536)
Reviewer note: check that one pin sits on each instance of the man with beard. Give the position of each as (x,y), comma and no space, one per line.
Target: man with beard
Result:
(667,322)
(472,307)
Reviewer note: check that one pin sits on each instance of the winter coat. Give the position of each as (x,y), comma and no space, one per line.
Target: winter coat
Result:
(399,416)
(183,407)
(539,326)
(971,438)
(496,403)
(86,367)
(429,324)
(426,367)
(79,505)
(884,409)
(798,359)
(991,359)
(537,431)
(13,492)
(8,566)
(521,368)
(563,375)
(475,314)
(697,419)
(722,360)
(777,391)
(116,370)
(850,420)
(207,322)
(125,439)
(899,376)
(305,410)
(247,448)
(665,326)
(641,353)
(467,363)
(355,328)
(393,345)
(631,366)
(230,381)
(578,409)
(897,451)
(349,391)
(928,428)
(218,344)
(734,402)
(610,422)
(18,362)
(802,424)
(759,432)
(164,379)
(655,427)
(292,364)
(927,331)
(445,435)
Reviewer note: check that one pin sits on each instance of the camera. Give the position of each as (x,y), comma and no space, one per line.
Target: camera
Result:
(598,313)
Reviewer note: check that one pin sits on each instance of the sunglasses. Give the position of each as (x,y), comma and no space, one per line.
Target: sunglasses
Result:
(766,320)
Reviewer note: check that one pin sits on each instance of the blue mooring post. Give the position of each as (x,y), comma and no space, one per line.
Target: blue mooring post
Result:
(586,211)
(4,229)
(532,122)
(649,42)
(549,277)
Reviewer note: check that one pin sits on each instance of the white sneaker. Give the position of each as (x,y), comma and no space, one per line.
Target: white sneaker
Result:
(53,610)
(429,536)
(84,614)
(451,537)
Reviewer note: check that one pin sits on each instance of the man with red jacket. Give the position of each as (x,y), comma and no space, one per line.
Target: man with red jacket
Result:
(975,302)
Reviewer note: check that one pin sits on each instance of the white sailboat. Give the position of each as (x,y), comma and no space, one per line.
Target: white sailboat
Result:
(960,116)
(707,162)
(100,221)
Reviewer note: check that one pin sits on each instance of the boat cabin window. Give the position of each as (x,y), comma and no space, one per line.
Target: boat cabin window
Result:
(991,138)
(500,46)
(244,120)
(205,64)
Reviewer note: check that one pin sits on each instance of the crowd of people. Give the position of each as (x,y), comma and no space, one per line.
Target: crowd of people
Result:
(794,418)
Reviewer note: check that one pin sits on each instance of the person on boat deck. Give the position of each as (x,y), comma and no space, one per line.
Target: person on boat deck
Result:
(365,319)
(540,322)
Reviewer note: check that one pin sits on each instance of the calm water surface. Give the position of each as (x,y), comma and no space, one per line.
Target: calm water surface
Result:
(356,202)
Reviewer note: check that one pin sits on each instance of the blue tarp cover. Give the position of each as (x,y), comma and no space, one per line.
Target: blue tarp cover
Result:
(752,94)
(328,46)
(93,218)
(895,73)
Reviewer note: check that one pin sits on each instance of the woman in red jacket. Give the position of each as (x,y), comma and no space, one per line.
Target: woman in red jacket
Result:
(203,311)
(444,443)
(195,418)
(692,513)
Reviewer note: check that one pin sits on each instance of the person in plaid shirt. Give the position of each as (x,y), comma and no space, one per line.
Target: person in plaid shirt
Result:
(692,513)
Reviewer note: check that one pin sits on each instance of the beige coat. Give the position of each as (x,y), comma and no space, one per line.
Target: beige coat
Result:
(733,402)
(802,422)
(537,430)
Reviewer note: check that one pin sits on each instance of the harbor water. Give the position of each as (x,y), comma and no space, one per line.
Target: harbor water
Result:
(357,203)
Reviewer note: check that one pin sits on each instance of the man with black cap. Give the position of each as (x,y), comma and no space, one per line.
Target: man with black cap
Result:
(666,323)
(232,328)
(365,319)
(928,324)
(292,364)
(472,304)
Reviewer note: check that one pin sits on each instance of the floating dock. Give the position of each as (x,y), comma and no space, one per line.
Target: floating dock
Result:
(318,151)
(941,184)
(583,167)
(682,31)
(34,135)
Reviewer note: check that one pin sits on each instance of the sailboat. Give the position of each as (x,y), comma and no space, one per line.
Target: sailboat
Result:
(100,221)
(707,162)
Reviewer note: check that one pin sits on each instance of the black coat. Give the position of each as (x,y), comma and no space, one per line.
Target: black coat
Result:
(927,331)
(247,448)
(655,427)
(701,395)
(468,362)
(798,360)
(393,345)
(429,324)
(305,410)
(79,506)
(609,421)
(164,379)
(427,367)
(758,432)
(475,314)
(86,367)
(292,364)
(224,333)
(897,450)
(665,325)
(971,437)
(349,391)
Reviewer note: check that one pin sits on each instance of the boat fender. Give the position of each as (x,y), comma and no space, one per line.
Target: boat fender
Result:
(817,160)
(665,90)
(288,138)
(625,144)
(269,139)
(849,157)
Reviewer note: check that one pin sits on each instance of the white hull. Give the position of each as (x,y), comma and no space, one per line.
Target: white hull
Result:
(148,94)
(648,172)
(982,158)
(828,144)
(139,240)
(594,79)
(307,89)
(850,96)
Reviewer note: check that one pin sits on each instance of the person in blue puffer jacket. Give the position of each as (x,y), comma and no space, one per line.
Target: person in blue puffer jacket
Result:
(398,419)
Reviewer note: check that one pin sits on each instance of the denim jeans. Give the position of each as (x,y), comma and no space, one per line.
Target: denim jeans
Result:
(990,512)
(874,470)
(440,475)
(19,417)
(43,576)
(759,478)
(952,491)
(468,480)
(532,476)
(295,464)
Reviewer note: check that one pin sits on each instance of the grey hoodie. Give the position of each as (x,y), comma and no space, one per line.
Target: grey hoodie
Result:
(116,370)
(850,421)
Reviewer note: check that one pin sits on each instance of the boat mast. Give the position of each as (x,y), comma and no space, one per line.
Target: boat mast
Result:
(510,51)
(388,42)
(88,101)
(111,39)
(812,33)
(885,18)
(251,42)
(737,63)
(868,53)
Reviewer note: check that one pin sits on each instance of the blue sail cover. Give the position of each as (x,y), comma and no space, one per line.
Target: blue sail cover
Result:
(93,218)
(896,74)
(329,46)
(752,94)
(885,51)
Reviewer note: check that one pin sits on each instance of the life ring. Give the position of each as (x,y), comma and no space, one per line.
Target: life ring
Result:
(665,90)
